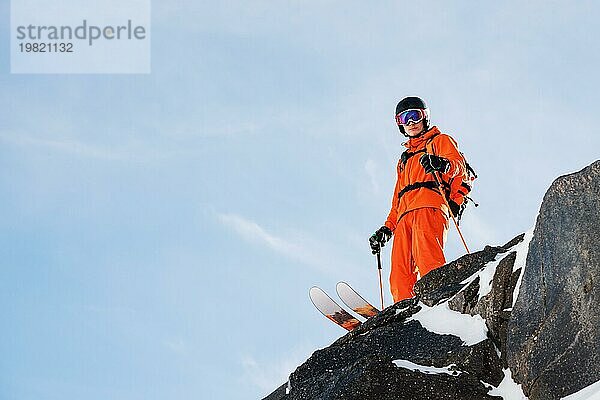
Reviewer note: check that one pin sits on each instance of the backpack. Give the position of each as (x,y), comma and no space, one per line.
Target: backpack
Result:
(458,188)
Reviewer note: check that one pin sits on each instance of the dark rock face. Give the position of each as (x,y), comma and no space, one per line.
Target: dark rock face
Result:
(445,282)
(279,393)
(360,364)
(494,307)
(553,335)
(377,378)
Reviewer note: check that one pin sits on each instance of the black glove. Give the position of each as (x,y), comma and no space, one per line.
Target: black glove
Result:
(379,239)
(434,163)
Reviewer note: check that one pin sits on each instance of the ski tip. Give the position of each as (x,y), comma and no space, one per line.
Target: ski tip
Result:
(341,286)
(316,292)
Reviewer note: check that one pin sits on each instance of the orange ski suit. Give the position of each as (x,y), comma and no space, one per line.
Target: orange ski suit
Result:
(419,215)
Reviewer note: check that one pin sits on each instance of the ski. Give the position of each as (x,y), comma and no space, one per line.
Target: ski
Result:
(355,301)
(332,310)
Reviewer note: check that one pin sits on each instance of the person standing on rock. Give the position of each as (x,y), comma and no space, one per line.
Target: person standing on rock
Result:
(418,219)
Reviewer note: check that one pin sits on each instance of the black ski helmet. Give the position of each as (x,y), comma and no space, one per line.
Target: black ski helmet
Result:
(409,103)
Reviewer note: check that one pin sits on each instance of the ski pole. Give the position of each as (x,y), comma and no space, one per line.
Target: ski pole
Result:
(437,181)
(380,281)
(435,176)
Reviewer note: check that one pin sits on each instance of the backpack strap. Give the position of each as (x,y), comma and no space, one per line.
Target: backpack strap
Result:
(432,185)
(445,186)
(429,146)
(406,155)
(469,168)
(418,185)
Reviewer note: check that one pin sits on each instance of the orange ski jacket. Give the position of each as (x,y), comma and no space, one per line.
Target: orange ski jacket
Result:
(414,187)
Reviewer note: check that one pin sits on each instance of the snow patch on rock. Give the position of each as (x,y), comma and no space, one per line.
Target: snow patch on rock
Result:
(508,389)
(442,320)
(427,369)
(522,249)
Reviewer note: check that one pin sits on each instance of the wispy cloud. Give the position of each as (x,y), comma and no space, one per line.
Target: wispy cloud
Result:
(83,150)
(251,231)
(302,247)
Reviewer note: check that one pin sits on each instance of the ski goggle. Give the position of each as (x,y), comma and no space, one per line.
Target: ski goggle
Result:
(415,115)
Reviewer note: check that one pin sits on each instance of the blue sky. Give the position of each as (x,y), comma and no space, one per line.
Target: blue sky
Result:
(159,233)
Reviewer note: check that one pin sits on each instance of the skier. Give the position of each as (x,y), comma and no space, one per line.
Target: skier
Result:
(418,218)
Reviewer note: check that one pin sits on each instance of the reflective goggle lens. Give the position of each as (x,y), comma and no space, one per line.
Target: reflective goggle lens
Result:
(409,115)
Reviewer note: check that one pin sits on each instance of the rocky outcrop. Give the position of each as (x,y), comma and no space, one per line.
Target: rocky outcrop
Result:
(443,283)
(554,331)
(496,306)
(360,365)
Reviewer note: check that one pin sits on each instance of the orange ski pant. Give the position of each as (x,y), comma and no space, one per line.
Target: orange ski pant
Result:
(418,248)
